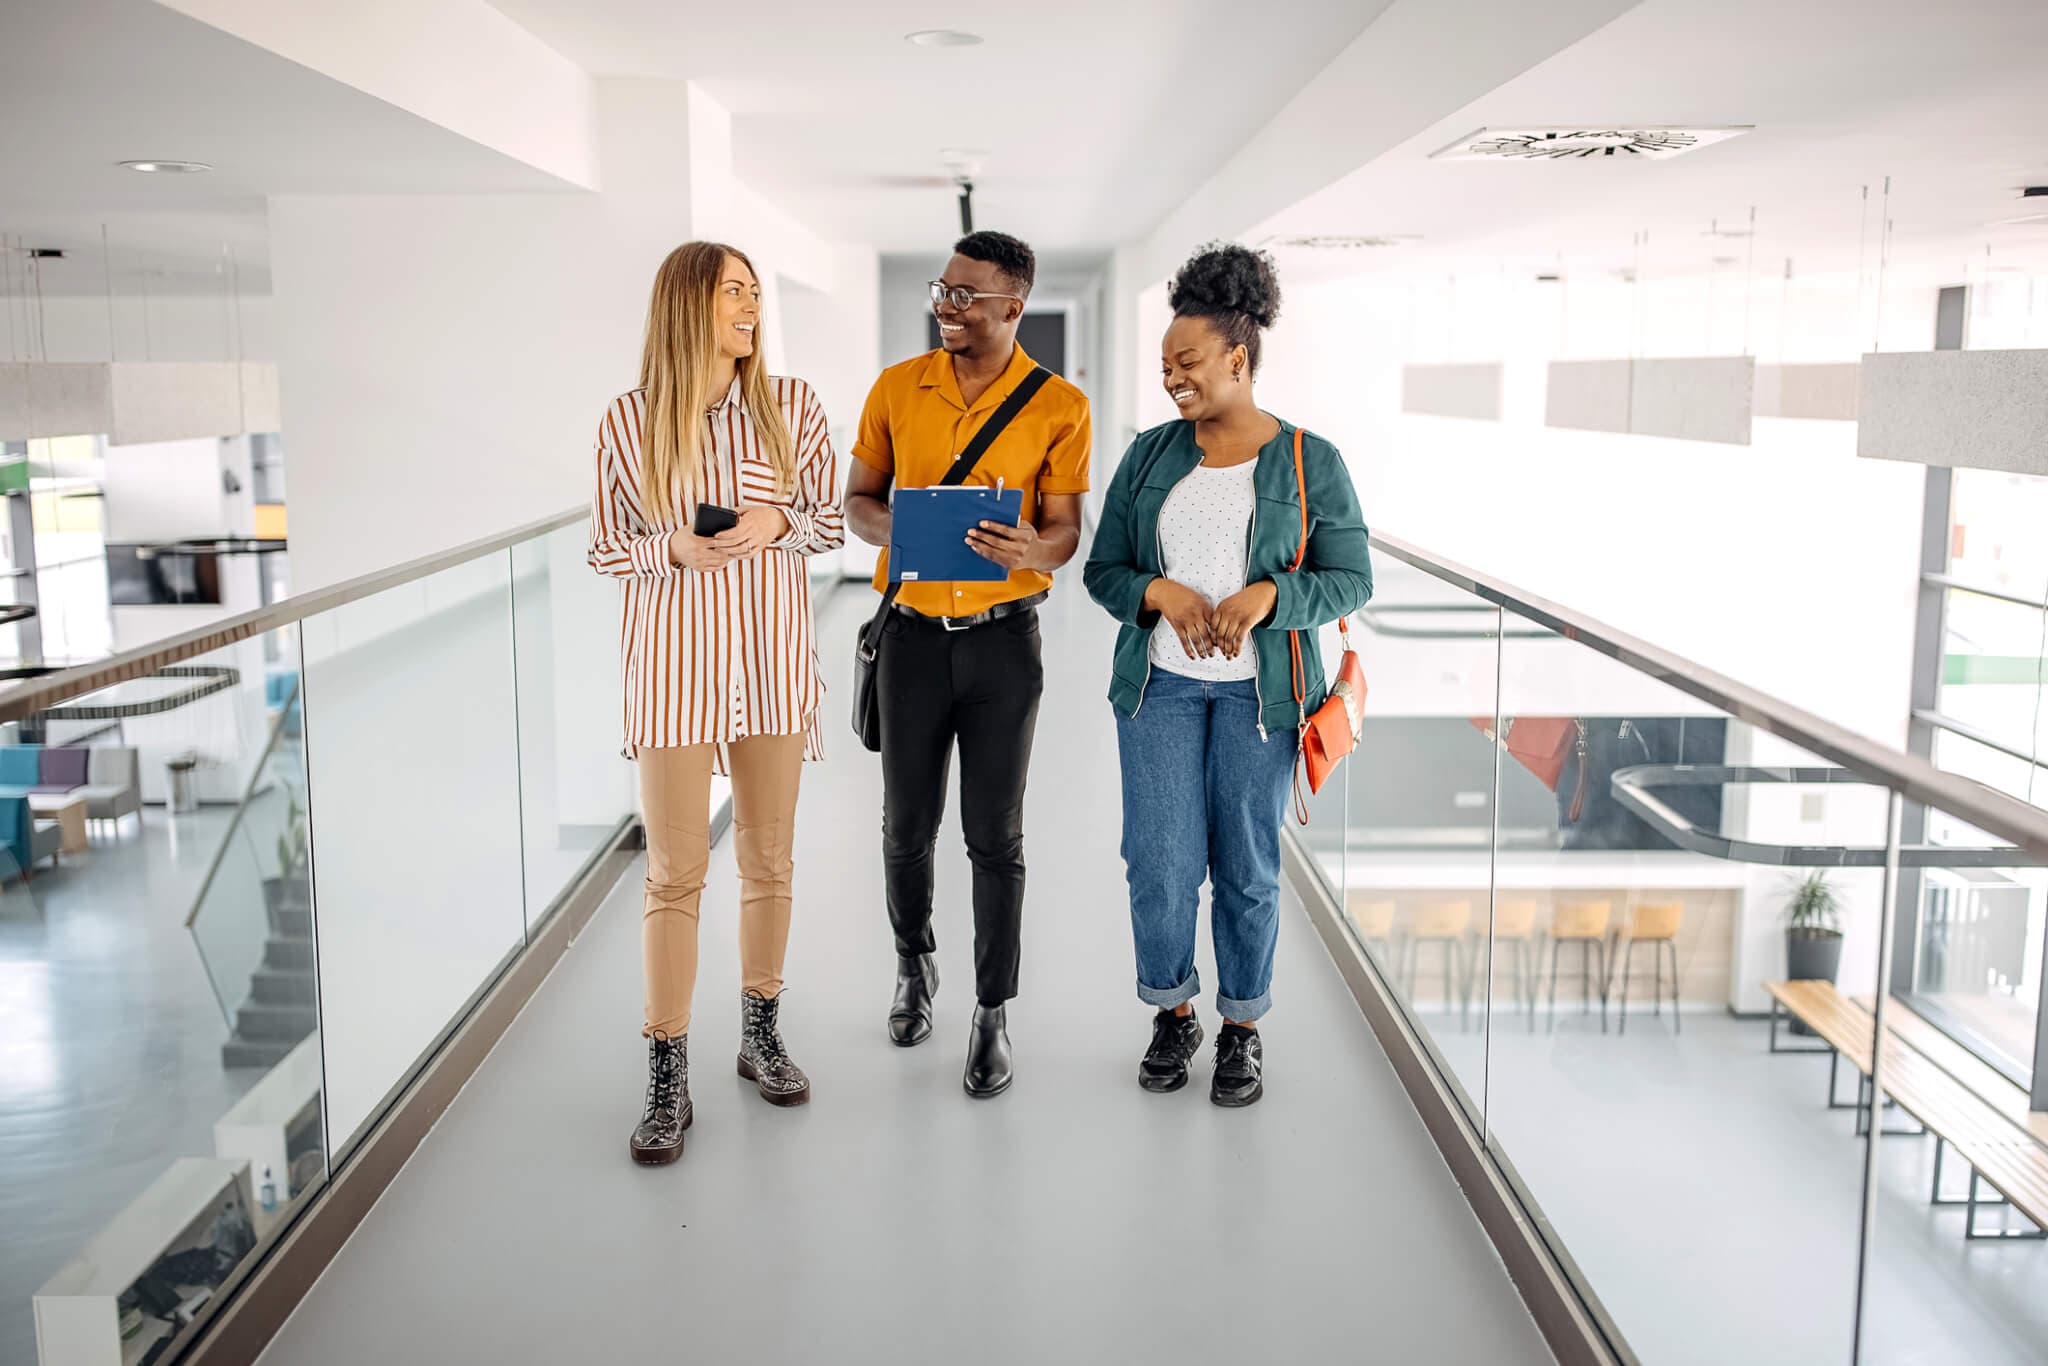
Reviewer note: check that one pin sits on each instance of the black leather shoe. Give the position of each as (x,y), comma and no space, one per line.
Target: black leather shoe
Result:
(1240,1059)
(988,1054)
(910,1014)
(1174,1041)
(659,1137)
(763,1059)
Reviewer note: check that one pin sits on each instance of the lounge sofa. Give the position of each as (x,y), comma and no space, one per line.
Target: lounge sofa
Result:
(26,840)
(109,777)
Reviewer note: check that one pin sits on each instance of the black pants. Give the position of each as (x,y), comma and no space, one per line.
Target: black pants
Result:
(979,687)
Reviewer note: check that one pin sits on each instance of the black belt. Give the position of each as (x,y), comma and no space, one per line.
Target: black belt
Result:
(995,613)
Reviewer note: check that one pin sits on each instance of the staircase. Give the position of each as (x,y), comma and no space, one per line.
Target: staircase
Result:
(281,1007)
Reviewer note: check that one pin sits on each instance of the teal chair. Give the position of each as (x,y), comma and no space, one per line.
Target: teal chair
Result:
(24,841)
(21,770)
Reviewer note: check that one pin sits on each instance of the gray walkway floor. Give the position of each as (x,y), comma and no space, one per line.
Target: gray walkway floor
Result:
(893,1219)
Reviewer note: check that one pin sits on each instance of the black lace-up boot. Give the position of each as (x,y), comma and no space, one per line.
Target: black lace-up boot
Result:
(1240,1063)
(1174,1041)
(763,1060)
(659,1138)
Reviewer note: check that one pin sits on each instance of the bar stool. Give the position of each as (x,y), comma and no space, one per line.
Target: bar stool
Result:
(1583,923)
(1655,924)
(1514,923)
(1445,923)
(1375,923)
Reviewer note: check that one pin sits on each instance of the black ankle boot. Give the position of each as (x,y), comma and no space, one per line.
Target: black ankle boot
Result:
(988,1054)
(1174,1041)
(763,1060)
(910,1014)
(1240,1063)
(659,1138)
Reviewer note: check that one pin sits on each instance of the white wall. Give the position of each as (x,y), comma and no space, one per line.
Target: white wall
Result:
(445,360)
(171,489)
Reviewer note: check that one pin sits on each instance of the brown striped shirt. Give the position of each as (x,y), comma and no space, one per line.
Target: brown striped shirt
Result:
(715,657)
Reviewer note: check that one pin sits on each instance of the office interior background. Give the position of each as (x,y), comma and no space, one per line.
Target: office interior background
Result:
(1691,361)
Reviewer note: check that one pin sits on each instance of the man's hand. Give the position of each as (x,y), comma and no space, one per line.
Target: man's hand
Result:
(758,528)
(1234,617)
(1186,611)
(1012,547)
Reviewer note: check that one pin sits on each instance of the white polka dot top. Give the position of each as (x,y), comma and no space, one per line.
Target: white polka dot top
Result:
(1204,532)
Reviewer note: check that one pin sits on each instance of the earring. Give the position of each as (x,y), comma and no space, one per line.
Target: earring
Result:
(1237,376)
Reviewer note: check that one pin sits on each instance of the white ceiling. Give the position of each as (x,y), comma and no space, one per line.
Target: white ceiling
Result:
(85,84)
(1094,119)
(1950,100)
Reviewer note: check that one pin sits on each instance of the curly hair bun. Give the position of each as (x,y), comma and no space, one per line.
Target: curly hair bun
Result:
(1223,278)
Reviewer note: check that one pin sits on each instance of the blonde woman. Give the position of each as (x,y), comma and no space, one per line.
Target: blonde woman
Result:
(721,672)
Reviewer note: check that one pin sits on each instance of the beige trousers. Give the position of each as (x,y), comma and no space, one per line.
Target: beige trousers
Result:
(675,799)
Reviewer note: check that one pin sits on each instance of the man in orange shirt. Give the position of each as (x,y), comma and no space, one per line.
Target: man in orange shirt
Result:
(959,662)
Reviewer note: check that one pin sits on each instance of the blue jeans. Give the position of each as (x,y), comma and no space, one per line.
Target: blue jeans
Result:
(1203,798)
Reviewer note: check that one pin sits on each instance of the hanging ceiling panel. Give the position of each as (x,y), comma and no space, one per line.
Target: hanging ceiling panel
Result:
(1985,410)
(1463,390)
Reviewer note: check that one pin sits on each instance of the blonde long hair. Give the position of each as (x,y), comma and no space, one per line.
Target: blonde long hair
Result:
(675,370)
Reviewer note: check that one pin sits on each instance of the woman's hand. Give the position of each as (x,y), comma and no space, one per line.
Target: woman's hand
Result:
(759,527)
(1234,617)
(701,553)
(1186,611)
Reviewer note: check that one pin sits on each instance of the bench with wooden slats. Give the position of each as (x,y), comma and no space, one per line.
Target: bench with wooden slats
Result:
(2001,1154)
(1990,1086)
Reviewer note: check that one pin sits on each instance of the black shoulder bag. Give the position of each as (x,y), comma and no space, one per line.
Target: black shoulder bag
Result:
(867,715)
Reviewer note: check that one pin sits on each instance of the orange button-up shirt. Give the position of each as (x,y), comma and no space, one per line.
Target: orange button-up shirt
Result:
(915,425)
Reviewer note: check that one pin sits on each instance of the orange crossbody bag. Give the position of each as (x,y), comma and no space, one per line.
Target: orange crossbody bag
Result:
(1332,731)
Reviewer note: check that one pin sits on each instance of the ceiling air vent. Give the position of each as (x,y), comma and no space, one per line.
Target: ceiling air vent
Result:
(1332,242)
(1581,142)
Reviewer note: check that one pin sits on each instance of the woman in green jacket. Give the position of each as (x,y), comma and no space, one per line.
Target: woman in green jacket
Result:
(1199,532)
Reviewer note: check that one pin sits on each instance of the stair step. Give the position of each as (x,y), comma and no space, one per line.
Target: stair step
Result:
(264,1053)
(291,955)
(290,1023)
(283,987)
(292,922)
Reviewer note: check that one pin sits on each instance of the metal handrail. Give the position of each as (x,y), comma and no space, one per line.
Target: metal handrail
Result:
(1630,787)
(28,698)
(1987,809)
(1941,721)
(1980,590)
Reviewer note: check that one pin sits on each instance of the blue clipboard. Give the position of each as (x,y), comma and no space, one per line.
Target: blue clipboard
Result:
(928,532)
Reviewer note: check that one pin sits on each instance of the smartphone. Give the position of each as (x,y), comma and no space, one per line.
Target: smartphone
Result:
(712,519)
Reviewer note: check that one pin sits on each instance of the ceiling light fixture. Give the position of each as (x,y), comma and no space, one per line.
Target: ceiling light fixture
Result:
(1637,142)
(943,37)
(168,167)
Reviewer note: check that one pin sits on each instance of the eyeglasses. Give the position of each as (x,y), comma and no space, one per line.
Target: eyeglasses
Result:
(961,297)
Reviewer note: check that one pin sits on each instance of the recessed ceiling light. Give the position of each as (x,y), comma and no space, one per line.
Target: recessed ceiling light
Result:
(942,37)
(168,167)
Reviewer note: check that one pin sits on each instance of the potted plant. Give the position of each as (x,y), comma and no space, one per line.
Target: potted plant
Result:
(1813,932)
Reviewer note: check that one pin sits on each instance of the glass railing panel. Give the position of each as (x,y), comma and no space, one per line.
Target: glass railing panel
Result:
(1420,809)
(574,786)
(1957,1267)
(1634,1094)
(413,759)
(160,1083)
